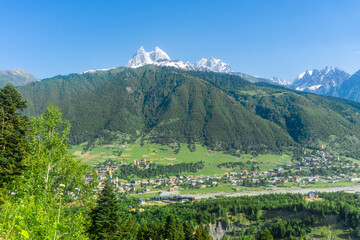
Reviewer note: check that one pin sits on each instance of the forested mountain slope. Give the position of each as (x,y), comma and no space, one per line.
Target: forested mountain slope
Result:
(222,111)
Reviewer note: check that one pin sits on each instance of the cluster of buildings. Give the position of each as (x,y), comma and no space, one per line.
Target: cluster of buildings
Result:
(293,172)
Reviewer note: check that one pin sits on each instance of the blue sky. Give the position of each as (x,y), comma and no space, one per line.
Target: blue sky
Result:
(263,38)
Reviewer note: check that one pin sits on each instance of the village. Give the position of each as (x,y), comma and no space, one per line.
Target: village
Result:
(321,167)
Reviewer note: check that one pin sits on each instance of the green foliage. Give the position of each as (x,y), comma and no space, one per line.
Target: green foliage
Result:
(173,229)
(266,235)
(288,229)
(251,166)
(188,231)
(202,234)
(106,220)
(50,162)
(263,216)
(155,170)
(51,200)
(13,142)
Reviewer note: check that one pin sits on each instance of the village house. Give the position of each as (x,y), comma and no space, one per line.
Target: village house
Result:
(313,195)
(354,180)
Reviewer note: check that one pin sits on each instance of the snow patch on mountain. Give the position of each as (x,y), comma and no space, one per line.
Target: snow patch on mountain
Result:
(95,70)
(301,75)
(280,81)
(315,87)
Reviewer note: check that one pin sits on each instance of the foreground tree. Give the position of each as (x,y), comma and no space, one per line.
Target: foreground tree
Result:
(13,127)
(51,200)
(106,219)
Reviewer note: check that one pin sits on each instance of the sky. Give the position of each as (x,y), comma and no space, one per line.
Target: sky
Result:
(261,38)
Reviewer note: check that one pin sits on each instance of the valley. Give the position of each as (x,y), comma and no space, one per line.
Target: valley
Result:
(214,152)
(179,120)
(244,175)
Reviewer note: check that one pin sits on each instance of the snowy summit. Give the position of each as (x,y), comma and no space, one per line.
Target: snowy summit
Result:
(324,81)
(156,57)
(160,58)
(212,64)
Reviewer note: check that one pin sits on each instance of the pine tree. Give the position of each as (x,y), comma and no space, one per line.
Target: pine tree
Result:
(266,235)
(155,231)
(173,229)
(180,230)
(143,232)
(105,217)
(202,234)
(188,231)
(13,128)
(170,228)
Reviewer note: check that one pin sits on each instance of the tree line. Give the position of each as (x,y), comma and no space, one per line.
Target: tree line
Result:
(156,170)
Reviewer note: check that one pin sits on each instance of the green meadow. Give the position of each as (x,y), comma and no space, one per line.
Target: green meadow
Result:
(162,154)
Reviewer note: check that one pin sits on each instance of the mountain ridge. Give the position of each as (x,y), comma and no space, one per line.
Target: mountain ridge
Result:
(329,81)
(222,111)
(17,77)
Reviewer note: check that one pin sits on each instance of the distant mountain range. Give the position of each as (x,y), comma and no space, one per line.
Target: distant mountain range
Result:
(18,77)
(329,81)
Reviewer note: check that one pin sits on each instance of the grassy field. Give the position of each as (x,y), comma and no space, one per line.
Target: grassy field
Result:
(219,189)
(145,195)
(330,232)
(320,184)
(164,155)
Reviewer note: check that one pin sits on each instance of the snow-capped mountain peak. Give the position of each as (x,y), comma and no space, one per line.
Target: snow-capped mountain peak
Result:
(159,55)
(140,58)
(324,81)
(160,58)
(212,64)
(156,57)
